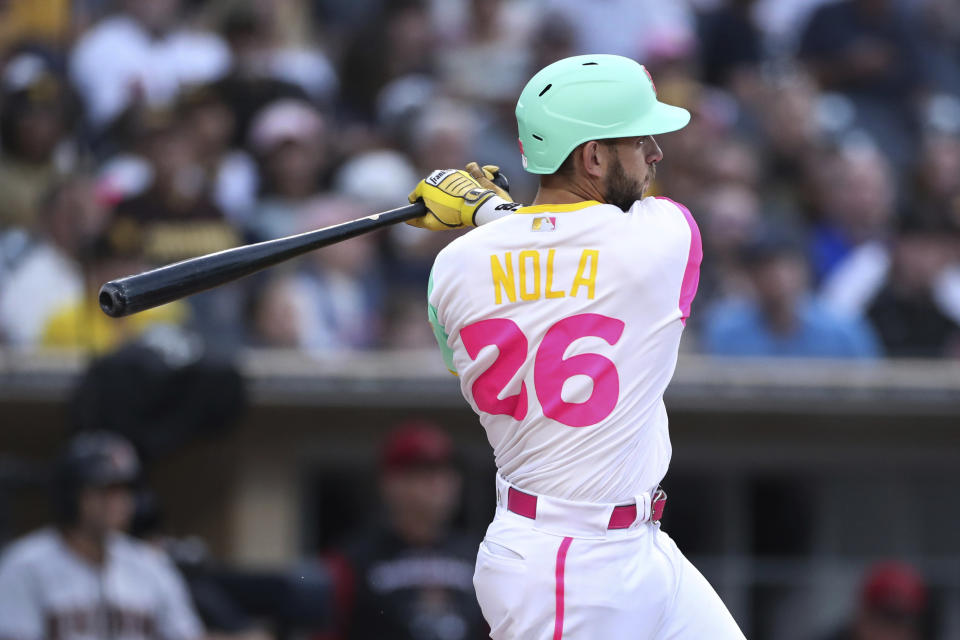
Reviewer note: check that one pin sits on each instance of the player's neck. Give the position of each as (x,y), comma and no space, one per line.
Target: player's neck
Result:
(566,192)
(89,547)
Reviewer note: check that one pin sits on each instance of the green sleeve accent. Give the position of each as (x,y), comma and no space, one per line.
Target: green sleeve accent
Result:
(438,331)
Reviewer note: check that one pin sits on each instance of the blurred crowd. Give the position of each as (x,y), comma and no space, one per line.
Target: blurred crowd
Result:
(822,161)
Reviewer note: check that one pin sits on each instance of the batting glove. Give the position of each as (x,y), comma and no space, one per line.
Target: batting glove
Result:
(452,197)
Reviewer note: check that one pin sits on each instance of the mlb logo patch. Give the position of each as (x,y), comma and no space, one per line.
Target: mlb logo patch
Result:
(544,223)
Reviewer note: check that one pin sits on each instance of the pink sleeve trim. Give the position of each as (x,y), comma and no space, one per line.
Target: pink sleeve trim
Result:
(691,274)
(561,567)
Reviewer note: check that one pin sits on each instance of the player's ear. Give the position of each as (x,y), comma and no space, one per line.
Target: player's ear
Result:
(592,159)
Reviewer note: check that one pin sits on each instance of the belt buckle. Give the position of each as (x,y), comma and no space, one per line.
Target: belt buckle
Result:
(657,504)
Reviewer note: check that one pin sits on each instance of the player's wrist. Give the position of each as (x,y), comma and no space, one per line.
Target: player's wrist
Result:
(472,201)
(493,208)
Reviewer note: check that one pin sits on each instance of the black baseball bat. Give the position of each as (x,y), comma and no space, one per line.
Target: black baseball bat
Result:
(131,294)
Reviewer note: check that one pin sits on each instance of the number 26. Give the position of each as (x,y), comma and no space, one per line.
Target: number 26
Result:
(550,368)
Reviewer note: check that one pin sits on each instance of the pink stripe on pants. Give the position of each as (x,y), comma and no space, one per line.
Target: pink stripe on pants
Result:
(561,563)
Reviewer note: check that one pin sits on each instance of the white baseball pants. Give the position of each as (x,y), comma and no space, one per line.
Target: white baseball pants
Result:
(545,579)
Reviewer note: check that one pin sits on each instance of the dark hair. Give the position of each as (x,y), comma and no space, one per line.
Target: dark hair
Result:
(770,244)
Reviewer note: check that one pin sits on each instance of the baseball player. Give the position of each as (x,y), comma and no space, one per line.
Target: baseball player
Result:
(562,321)
(85,580)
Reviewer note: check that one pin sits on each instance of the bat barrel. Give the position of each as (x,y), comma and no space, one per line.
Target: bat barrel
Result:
(143,291)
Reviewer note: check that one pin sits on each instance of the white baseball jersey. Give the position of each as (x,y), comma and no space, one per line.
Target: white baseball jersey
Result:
(47,591)
(563,323)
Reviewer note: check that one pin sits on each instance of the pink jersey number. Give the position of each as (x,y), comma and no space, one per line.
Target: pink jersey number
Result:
(550,370)
(509,339)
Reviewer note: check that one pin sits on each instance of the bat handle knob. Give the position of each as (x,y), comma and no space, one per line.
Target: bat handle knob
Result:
(500,179)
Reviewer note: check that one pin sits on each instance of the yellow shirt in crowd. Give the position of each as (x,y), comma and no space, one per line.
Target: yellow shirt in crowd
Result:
(84,325)
(47,20)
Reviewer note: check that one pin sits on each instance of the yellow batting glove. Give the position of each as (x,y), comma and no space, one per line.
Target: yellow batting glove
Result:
(452,197)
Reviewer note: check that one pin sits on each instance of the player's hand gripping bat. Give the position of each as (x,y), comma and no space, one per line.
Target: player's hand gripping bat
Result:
(150,289)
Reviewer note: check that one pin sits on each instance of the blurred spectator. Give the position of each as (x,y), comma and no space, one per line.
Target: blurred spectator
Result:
(892,605)
(210,124)
(782,320)
(46,21)
(941,39)
(399,104)
(730,218)
(289,138)
(729,43)
(266,69)
(863,46)
(553,39)
(443,135)
(645,28)
(71,217)
(79,322)
(273,40)
(85,578)
(338,18)
(781,22)
(376,180)
(396,42)
(859,197)
(909,284)
(275,314)
(409,576)
(494,32)
(175,215)
(142,55)
(937,179)
(405,327)
(869,50)
(333,301)
(734,161)
(916,308)
(794,149)
(34,107)
(691,170)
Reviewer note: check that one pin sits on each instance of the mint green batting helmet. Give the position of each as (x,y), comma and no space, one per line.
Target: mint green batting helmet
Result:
(585,98)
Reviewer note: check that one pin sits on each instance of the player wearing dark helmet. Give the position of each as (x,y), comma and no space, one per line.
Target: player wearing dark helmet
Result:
(85,578)
(94,478)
